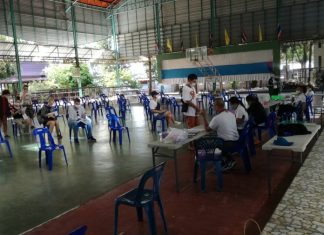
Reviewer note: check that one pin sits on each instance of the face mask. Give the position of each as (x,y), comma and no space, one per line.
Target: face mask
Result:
(77,106)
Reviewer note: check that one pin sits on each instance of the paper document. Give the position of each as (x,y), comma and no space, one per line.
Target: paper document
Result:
(25,117)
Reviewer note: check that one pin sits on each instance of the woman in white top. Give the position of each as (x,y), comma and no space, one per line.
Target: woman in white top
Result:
(26,101)
(156,110)
(240,113)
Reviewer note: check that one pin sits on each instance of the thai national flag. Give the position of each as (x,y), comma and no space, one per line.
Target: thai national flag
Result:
(243,37)
(279,32)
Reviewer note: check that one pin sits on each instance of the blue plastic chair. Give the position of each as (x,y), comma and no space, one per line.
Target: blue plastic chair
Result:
(6,142)
(96,108)
(309,107)
(155,118)
(144,197)
(114,126)
(205,152)
(211,100)
(112,110)
(175,105)
(80,125)
(270,125)
(79,231)
(48,148)
(245,146)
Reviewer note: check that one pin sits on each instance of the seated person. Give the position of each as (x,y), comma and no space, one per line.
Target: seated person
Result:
(224,123)
(256,110)
(77,116)
(157,111)
(19,114)
(47,117)
(298,99)
(240,113)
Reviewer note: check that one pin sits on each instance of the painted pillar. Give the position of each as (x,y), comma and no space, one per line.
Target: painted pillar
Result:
(75,43)
(157,26)
(14,34)
(115,47)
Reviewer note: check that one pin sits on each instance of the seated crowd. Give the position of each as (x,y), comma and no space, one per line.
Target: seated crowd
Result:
(228,123)
(24,115)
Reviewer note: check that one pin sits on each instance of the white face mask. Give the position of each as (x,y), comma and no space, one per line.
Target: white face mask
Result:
(77,106)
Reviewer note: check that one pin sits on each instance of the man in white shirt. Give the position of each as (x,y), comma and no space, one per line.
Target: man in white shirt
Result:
(189,98)
(77,117)
(224,123)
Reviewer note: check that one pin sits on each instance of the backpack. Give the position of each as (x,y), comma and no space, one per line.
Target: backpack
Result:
(290,129)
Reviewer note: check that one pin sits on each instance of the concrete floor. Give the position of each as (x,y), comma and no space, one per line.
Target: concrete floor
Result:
(31,196)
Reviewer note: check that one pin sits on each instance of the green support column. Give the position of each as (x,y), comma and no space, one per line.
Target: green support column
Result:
(115,47)
(75,41)
(5,16)
(213,18)
(278,12)
(13,24)
(157,26)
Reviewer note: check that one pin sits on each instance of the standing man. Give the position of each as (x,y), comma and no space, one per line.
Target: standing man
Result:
(189,97)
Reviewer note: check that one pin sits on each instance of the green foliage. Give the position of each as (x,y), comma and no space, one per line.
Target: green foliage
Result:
(109,78)
(234,85)
(61,77)
(296,52)
(7,69)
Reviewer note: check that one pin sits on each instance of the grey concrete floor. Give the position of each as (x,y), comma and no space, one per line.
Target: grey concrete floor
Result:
(32,195)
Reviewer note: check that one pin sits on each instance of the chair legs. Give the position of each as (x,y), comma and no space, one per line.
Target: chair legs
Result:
(149,209)
(151,218)
(162,214)
(139,211)
(218,171)
(65,156)
(116,219)
(8,148)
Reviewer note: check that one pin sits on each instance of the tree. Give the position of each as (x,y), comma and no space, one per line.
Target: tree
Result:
(61,77)
(7,69)
(300,52)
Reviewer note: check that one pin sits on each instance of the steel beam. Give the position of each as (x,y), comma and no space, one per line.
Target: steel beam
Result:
(14,34)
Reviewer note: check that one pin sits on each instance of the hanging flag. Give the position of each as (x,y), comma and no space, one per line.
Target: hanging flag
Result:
(197,41)
(227,38)
(169,45)
(279,32)
(211,41)
(260,34)
(243,37)
(181,45)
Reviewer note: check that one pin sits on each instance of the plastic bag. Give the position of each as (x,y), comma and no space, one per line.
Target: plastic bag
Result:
(176,135)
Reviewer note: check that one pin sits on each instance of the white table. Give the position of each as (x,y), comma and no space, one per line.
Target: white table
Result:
(157,145)
(300,144)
